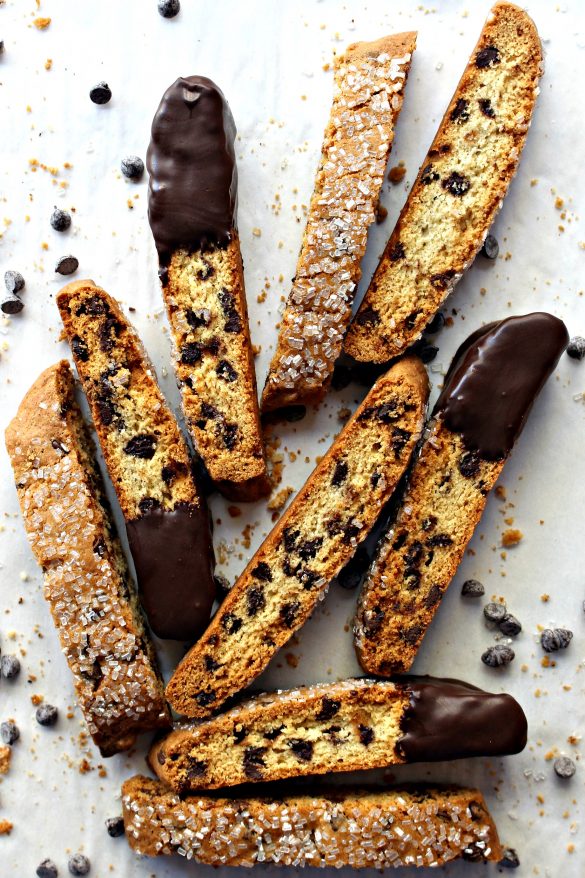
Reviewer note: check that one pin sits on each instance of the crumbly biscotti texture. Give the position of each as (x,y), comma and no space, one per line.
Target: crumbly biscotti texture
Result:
(206,304)
(346,726)
(458,190)
(311,543)
(377,829)
(369,86)
(419,556)
(92,599)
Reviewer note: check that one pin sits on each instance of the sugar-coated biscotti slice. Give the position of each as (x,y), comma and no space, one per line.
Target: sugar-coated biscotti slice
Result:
(347,726)
(93,601)
(166,515)
(377,828)
(487,395)
(312,542)
(458,190)
(192,202)
(369,86)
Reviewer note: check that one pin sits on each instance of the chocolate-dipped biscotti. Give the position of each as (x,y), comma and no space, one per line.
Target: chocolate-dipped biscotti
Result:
(311,543)
(92,598)
(369,86)
(458,190)
(377,828)
(166,515)
(347,726)
(487,395)
(192,201)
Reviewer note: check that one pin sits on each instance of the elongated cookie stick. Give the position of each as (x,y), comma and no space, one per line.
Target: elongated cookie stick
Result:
(166,515)
(369,87)
(311,543)
(348,726)
(192,200)
(92,599)
(345,827)
(458,190)
(487,396)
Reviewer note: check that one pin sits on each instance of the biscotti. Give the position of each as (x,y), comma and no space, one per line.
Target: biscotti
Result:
(166,515)
(192,202)
(377,829)
(308,547)
(487,395)
(369,86)
(458,190)
(347,726)
(92,599)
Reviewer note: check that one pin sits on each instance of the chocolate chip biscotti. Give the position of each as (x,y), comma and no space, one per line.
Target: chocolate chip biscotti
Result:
(312,542)
(377,829)
(369,86)
(166,516)
(92,598)
(487,395)
(192,202)
(347,726)
(458,190)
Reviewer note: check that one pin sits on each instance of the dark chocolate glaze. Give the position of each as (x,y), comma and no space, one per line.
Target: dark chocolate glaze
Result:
(173,556)
(448,719)
(191,161)
(494,378)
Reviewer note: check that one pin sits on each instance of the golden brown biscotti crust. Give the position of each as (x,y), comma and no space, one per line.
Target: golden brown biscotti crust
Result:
(419,556)
(206,304)
(378,829)
(458,190)
(92,599)
(369,86)
(313,540)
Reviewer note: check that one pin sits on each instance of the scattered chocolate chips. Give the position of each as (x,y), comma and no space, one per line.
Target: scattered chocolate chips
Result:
(460,112)
(262,571)
(303,750)
(100,93)
(490,248)
(47,869)
(231,623)
(366,735)
(210,663)
(564,767)
(329,707)
(225,370)
(115,826)
(9,667)
(142,446)
(47,715)
(67,265)
(576,348)
(510,625)
(256,600)
(60,220)
(191,353)
(485,105)
(79,864)
(169,8)
(9,732)
(198,317)
(456,184)
(553,639)
(13,281)
(498,655)
(132,167)
(253,762)
(11,304)
(510,860)
(339,474)
(495,612)
(307,549)
(487,57)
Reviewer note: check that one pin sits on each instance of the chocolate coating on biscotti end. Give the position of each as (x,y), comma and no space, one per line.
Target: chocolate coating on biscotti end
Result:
(192,194)
(495,377)
(167,546)
(449,719)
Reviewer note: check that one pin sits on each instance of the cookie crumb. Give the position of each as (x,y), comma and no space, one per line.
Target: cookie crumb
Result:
(511,537)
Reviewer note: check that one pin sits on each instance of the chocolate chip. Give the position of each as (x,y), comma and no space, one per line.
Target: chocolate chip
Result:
(226,371)
(472,588)
(198,317)
(80,350)
(191,353)
(209,412)
(396,252)
(239,732)
(288,613)
(303,750)
(289,538)
(195,768)
(553,639)
(262,571)
(254,762)
(231,623)
(366,735)
(329,707)
(229,434)
(442,280)
(115,826)
(410,321)
(429,176)
(47,869)
(210,663)
(460,112)
(273,734)
(429,523)
(399,439)
(227,302)
(498,655)
(367,316)
(204,699)
(169,8)
(13,281)
(510,625)
(436,324)
(440,540)
(495,612)
(108,332)
(222,587)
(373,621)
(9,732)
(168,474)
(47,715)
(132,167)
(387,412)
(485,105)
(510,860)
(564,767)
(142,446)
(100,93)
(576,347)
(427,352)
(307,549)
(161,757)
(9,667)
(147,504)
(412,635)
(233,324)
(456,184)
(79,864)
(11,304)
(469,464)
(341,377)
(206,272)
(433,597)
(487,57)
(473,853)
(67,265)
(256,600)
(490,248)
(339,473)
(92,305)
(60,220)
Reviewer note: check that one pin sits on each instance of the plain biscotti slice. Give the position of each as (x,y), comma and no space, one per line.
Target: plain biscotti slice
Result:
(486,398)
(369,86)
(458,191)
(314,539)
(166,516)
(92,599)
(192,202)
(347,726)
(378,829)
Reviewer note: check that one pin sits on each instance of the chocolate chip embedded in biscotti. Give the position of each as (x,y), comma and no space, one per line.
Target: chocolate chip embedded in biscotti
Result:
(229,434)
(441,281)
(429,175)
(288,613)
(399,439)
(206,272)
(253,762)
(308,578)
(255,600)
(204,699)
(231,623)
(227,302)
(373,621)
(225,370)
(273,734)
(191,353)
(307,549)
(209,412)
(195,768)
(433,597)
(79,348)
(303,750)
(440,540)
(289,538)
(411,635)
(469,464)
(396,252)
(487,57)
(456,184)
(460,112)
(197,317)
(147,504)
(210,663)
(339,473)
(161,757)
(329,707)
(262,572)
(108,333)
(142,446)
(485,105)
(367,317)
(94,306)
(366,735)
(239,732)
